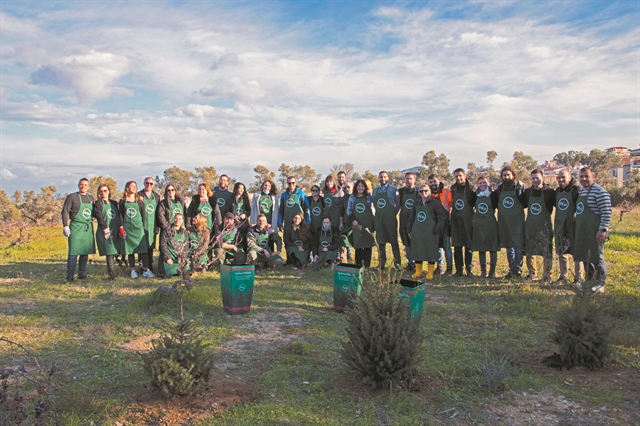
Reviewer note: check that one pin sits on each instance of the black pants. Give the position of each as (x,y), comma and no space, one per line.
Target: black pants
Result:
(493,259)
(149,258)
(363,257)
(458,255)
(143,258)
(82,267)
(382,250)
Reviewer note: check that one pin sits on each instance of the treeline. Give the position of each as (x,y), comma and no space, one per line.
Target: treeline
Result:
(44,207)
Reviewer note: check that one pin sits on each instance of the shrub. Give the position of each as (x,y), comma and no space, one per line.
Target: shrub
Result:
(383,345)
(582,333)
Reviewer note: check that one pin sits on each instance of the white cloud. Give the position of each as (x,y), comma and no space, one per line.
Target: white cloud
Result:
(39,110)
(88,76)
(482,39)
(6,174)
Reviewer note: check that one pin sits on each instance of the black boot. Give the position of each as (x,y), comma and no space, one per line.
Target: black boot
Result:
(492,270)
(468,262)
(458,260)
(483,269)
(110,271)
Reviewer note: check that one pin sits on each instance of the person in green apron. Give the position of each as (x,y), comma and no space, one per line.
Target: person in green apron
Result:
(462,223)
(132,232)
(485,227)
(222,193)
(387,204)
(199,242)
(361,220)
(171,204)
(593,217)
(298,241)
(292,201)
(332,198)
(260,238)
(175,247)
(266,202)
(227,244)
(316,207)
(564,225)
(326,243)
(78,228)
(426,222)
(511,220)
(205,203)
(151,228)
(408,195)
(538,230)
(105,210)
(345,247)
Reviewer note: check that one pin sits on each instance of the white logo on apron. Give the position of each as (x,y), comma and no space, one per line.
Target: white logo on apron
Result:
(86,213)
(535,209)
(360,208)
(579,208)
(221,202)
(290,202)
(381,203)
(421,217)
(459,204)
(328,202)
(563,204)
(206,210)
(150,208)
(131,212)
(408,204)
(264,206)
(316,211)
(264,243)
(508,202)
(325,244)
(111,214)
(483,208)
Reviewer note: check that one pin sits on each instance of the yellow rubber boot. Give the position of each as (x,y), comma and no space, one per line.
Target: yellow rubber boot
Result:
(418,272)
(430,268)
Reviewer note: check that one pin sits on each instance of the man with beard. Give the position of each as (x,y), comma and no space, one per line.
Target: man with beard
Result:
(462,223)
(387,204)
(511,219)
(260,238)
(539,200)
(222,192)
(564,225)
(442,193)
(593,217)
(408,195)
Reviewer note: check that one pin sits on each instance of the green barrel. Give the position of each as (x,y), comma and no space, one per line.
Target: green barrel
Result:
(236,282)
(414,292)
(347,281)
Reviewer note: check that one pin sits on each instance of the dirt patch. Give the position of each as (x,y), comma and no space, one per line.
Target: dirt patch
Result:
(220,394)
(548,408)
(436,298)
(139,344)
(423,384)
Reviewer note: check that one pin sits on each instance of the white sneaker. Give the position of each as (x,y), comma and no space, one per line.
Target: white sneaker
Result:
(598,288)
(134,274)
(148,274)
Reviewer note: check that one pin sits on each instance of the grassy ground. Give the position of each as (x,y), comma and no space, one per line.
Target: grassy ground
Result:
(280,364)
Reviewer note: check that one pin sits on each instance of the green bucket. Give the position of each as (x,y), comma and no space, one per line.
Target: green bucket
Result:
(347,281)
(236,282)
(414,292)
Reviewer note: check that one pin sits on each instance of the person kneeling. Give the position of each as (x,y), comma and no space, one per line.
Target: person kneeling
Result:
(228,247)
(297,241)
(260,238)
(326,243)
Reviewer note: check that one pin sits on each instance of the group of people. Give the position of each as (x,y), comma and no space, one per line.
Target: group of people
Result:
(226,225)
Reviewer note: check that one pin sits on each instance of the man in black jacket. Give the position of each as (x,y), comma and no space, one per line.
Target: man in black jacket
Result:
(462,223)
(539,200)
(259,239)
(77,225)
(564,224)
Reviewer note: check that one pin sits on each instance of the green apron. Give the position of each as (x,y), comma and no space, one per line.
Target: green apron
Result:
(325,256)
(587,248)
(263,242)
(110,215)
(303,256)
(485,227)
(408,200)
(461,220)
(135,241)
(510,220)
(564,223)
(81,227)
(386,222)
(265,207)
(194,245)
(174,209)
(150,206)
(315,208)
(178,242)
(331,210)
(538,231)
(207,211)
(230,238)
(363,214)
(424,243)
(291,207)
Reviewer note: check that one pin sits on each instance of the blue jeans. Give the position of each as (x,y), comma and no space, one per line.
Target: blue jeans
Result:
(445,253)
(514,256)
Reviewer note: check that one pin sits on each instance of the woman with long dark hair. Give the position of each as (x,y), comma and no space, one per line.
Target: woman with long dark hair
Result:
(298,241)
(316,207)
(171,204)
(132,232)
(105,210)
(360,217)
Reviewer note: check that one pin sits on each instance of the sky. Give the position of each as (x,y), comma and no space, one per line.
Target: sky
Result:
(129,89)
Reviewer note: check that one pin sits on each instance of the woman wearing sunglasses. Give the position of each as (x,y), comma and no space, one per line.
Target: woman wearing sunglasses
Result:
(105,210)
(169,207)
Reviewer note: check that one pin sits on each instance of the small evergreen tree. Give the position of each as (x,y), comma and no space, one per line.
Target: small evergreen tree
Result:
(384,346)
(179,362)
(582,332)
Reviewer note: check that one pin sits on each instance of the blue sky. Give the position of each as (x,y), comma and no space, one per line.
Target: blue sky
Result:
(128,89)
